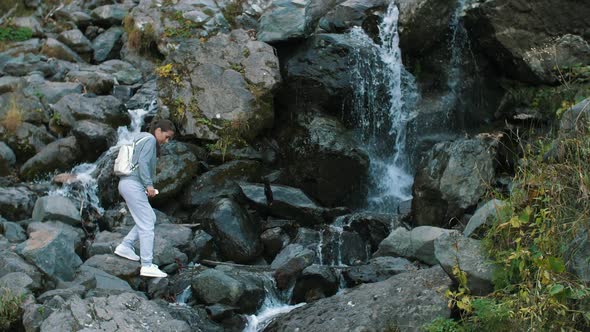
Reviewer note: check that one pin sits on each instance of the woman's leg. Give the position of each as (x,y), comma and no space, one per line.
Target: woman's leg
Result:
(144,217)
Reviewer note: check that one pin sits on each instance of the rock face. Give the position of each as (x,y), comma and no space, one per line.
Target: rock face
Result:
(314,148)
(527,39)
(225,82)
(404,302)
(452,178)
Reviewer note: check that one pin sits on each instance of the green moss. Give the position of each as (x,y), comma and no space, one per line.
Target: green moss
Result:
(232,11)
(13,34)
(186,28)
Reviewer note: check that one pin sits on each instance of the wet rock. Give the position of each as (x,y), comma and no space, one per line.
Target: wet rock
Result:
(405,301)
(213,286)
(56,208)
(453,249)
(107,45)
(339,247)
(255,285)
(197,318)
(377,269)
(59,155)
(314,146)
(288,203)
(16,203)
(144,97)
(93,137)
(234,230)
(52,251)
(314,283)
(452,178)
(351,13)
(372,227)
(293,259)
(417,243)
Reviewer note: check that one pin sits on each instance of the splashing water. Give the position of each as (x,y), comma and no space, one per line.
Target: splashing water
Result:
(458,41)
(84,189)
(274,304)
(384,96)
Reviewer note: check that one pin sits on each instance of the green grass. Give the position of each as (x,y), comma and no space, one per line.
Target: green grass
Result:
(10,309)
(11,34)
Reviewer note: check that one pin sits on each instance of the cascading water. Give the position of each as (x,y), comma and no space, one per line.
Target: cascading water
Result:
(84,188)
(384,96)
(457,43)
(274,304)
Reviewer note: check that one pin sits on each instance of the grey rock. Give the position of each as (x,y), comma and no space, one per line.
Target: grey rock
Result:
(236,233)
(30,109)
(13,232)
(27,140)
(30,22)
(372,227)
(94,81)
(64,293)
(165,253)
(339,247)
(10,83)
(124,72)
(59,155)
(349,14)
(99,283)
(109,15)
(75,107)
(293,259)
(274,240)
(204,245)
(115,265)
(94,138)
(127,311)
(314,283)
(213,286)
(56,49)
(18,283)
(484,215)
(415,244)
(11,262)
(105,242)
(144,97)
(56,208)
(453,177)
(7,158)
(73,234)
(77,41)
(405,301)
(177,166)
(107,45)
(453,249)
(377,269)
(52,92)
(16,203)
(52,252)
(579,250)
(23,64)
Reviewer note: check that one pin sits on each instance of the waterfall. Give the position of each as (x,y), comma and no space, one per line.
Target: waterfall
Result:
(275,303)
(457,44)
(84,188)
(385,93)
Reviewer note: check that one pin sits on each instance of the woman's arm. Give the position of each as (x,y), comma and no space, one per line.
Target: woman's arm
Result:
(145,158)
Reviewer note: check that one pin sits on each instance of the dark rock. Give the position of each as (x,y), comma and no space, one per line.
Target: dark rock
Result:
(27,140)
(93,137)
(124,72)
(51,92)
(144,97)
(372,227)
(378,269)
(274,240)
(452,178)
(55,49)
(108,44)
(64,293)
(176,167)
(213,286)
(484,215)
(16,203)
(104,242)
(78,42)
(59,155)
(52,251)
(56,208)
(114,265)
(293,259)
(24,64)
(351,13)
(75,107)
(7,159)
(315,146)
(197,318)
(417,243)
(11,262)
(94,81)
(234,230)
(109,15)
(13,232)
(204,245)
(314,283)
(10,83)
(405,301)
(579,250)
(99,283)
(339,247)
(30,108)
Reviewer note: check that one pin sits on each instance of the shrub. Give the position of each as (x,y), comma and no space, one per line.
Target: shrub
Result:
(10,309)
(13,118)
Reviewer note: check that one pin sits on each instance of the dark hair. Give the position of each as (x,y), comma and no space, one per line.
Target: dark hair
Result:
(164,125)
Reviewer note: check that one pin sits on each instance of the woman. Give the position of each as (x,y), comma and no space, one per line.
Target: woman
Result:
(136,188)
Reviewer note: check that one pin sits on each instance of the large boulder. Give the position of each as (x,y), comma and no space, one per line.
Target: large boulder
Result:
(56,208)
(24,64)
(527,40)
(452,178)
(415,244)
(107,44)
(76,40)
(313,148)
(94,138)
(486,214)
(16,203)
(377,269)
(176,167)
(351,13)
(94,81)
(12,262)
(75,107)
(221,88)
(29,108)
(60,155)
(56,49)
(52,251)
(236,233)
(293,259)
(453,249)
(213,286)
(404,302)
(314,283)
(125,312)
(115,265)
(26,140)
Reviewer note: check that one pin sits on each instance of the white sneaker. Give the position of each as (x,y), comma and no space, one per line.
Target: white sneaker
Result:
(152,271)
(126,252)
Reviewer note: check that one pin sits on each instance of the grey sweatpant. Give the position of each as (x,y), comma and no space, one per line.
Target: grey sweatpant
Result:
(145,219)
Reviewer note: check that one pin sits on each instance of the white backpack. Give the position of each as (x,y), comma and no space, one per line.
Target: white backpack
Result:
(123,164)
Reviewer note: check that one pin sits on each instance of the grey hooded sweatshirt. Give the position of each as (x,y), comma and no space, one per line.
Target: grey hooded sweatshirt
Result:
(144,155)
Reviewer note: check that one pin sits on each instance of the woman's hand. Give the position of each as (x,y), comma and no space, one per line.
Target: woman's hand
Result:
(151,192)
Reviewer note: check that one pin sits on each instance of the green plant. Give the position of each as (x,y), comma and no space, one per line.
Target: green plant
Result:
(10,308)
(169,71)
(13,34)
(231,12)
(142,38)
(443,325)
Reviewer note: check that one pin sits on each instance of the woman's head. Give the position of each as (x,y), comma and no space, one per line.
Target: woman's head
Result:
(163,130)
